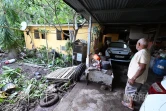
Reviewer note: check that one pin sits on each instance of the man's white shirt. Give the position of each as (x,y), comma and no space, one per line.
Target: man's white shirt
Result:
(142,56)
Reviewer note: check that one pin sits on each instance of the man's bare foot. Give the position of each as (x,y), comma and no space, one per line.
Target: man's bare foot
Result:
(128,105)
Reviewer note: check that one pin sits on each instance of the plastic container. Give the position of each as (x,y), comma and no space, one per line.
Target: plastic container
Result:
(10,61)
(105,65)
(159,67)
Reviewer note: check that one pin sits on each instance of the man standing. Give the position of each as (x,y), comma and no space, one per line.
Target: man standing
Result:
(137,72)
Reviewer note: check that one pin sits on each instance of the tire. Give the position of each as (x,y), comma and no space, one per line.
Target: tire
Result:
(51,100)
(78,71)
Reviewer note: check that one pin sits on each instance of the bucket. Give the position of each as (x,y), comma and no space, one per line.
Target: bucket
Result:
(105,65)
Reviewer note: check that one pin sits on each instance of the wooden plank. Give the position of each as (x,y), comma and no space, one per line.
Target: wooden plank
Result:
(64,70)
(70,70)
(67,72)
(52,73)
(63,73)
(55,73)
(60,72)
(71,74)
(73,68)
(60,79)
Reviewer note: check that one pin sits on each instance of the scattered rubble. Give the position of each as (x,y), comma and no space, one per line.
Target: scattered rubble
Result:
(24,84)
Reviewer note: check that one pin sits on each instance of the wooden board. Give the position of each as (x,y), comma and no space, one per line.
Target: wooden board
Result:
(62,73)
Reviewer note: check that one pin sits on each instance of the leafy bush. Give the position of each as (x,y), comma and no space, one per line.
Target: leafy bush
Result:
(40,57)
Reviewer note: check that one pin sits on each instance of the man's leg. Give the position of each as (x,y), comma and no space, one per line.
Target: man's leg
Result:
(130,93)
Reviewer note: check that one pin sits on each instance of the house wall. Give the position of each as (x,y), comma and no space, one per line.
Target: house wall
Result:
(51,37)
(114,37)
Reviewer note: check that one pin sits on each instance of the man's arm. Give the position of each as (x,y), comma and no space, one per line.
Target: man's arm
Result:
(140,71)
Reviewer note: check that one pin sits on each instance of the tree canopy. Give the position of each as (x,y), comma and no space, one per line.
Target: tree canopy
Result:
(33,12)
(39,11)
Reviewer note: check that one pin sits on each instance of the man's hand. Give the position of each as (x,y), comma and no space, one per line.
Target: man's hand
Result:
(131,81)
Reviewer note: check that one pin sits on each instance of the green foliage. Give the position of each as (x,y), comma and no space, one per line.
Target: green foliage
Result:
(8,75)
(69,47)
(32,11)
(43,11)
(26,89)
(59,61)
(43,52)
(69,59)
(10,38)
(69,50)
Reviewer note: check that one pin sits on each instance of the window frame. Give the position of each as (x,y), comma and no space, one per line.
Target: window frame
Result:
(36,34)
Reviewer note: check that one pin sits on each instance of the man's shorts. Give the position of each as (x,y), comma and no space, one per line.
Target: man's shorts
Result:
(132,90)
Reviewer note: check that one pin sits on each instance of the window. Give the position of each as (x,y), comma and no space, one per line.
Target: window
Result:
(62,36)
(65,37)
(118,45)
(43,36)
(58,35)
(36,34)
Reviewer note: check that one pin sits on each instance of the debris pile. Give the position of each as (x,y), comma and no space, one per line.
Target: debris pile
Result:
(49,58)
(23,84)
(21,93)
(16,90)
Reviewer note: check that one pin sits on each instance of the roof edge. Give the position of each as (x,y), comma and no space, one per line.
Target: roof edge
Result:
(42,25)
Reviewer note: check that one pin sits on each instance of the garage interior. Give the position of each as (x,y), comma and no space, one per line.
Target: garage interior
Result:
(120,16)
(132,20)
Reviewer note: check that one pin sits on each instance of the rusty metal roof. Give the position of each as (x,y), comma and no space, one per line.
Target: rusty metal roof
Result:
(121,11)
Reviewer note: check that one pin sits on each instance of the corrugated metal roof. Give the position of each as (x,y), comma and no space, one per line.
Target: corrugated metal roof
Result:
(121,11)
(118,4)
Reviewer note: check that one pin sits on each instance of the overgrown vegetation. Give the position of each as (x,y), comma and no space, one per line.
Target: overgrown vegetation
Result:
(10,38)
(40,11)
(49,12)
(25,92)
(56,59)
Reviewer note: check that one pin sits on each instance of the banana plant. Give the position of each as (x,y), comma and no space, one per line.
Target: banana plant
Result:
(10,38)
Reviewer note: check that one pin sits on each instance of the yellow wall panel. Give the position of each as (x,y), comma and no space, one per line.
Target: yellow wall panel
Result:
(51,37)
(114,37)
